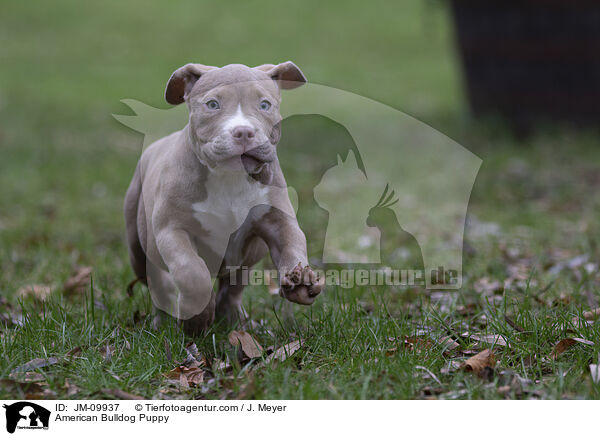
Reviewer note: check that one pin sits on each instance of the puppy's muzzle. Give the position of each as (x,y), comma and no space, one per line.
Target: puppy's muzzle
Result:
(244,136)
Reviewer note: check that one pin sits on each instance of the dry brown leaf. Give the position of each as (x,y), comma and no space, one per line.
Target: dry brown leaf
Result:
(35,364)
(183,381)
(191,349)
(32,391)
(478,363)
(107,351)
(249,344)
(564,344)
(513,324)
(29,376)
(185,376)
(451,366)
(79,282)
(488,339)
(75,352)
(194,358)
(121,395)
(39,292)
(417,344)
(448,343)
(284,352)
(220,365)
(71,388)
(592,314)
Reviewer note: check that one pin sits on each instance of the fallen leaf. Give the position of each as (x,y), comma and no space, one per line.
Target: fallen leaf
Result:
(249,344)
(417,344)
(35,364)
(564,344)
(220,365)
(79,282)
(121,395)
(185,376)
(30,376)
(513,381)
(107,351)
(592,314)
(192,349)
(75,352)
(284,352)
(40,292)
(513,324)
(478,363)
(183,381)
(71,388)
(488,339)
(451,366)
(448,343)
(32,391)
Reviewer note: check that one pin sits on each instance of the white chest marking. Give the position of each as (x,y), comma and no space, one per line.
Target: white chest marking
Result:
(230,197)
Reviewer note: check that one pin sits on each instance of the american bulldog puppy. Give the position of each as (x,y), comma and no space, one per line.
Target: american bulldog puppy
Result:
(210,199)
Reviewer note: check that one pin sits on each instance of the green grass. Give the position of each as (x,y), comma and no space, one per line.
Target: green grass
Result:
(65,165)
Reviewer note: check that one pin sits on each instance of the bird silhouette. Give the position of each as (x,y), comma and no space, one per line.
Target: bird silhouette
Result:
(399,249)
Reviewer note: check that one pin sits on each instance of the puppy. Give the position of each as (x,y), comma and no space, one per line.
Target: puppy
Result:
(210,199)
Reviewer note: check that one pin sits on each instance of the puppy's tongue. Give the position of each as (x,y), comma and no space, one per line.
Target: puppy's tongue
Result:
(251,164)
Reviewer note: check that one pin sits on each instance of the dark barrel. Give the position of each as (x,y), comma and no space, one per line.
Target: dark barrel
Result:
(531,60)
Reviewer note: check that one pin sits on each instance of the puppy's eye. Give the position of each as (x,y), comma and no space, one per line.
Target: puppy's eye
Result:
(265,105)
(213,105)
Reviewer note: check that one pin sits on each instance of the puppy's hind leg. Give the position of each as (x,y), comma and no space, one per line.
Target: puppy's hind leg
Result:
(229,307)
(194,326)
(132,208)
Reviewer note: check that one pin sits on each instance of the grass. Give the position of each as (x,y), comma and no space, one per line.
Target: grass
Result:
(65,165)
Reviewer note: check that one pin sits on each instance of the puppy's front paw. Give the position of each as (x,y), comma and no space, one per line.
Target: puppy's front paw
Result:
(301,285)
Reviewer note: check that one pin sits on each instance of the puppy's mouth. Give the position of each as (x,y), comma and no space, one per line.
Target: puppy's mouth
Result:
(253,164)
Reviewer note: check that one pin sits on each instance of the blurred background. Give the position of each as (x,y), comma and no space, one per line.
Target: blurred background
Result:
(514,82)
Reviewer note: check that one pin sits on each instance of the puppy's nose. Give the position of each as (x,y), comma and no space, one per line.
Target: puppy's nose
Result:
(243,134)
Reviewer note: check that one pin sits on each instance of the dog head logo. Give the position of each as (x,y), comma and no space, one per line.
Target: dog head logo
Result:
(24,414)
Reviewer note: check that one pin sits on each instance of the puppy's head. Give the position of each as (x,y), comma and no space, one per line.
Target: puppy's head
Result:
(234,111)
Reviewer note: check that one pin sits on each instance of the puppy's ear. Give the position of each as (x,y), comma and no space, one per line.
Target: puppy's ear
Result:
(287,75)
(182,81)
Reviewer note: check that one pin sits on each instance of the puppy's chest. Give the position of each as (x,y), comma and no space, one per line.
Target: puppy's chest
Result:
(229,199)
